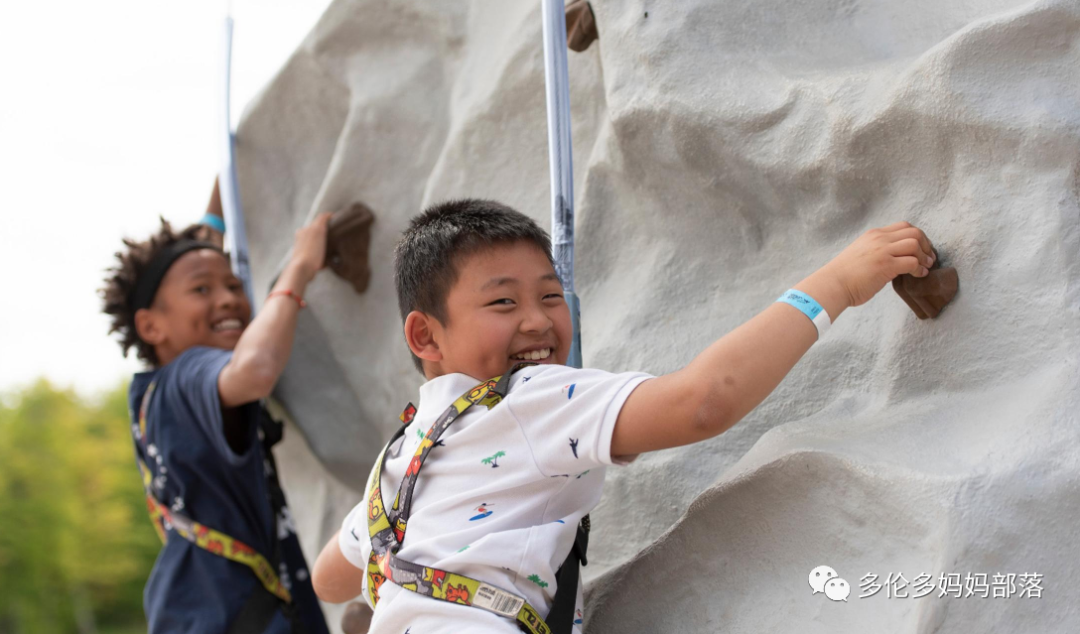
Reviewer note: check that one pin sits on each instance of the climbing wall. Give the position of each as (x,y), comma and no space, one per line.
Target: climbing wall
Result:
(723,151)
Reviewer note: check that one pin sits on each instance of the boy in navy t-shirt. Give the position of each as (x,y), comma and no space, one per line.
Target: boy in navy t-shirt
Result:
(231,561)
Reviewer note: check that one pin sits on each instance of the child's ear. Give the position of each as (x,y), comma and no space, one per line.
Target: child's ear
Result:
(148,328)
(420,335)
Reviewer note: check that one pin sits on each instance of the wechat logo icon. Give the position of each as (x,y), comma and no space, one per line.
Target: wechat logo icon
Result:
(824,579)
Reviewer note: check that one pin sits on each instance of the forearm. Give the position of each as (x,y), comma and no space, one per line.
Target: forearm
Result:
(334,579)
(263,350)
(727,380)
(269,338)
(741,369)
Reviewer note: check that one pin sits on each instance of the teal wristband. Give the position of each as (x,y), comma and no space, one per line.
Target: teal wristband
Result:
(214,222)
(808,306)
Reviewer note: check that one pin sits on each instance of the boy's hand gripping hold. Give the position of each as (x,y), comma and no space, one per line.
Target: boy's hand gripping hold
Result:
(878,256)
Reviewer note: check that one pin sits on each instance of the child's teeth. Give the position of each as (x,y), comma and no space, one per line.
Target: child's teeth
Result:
(227,323)
(535,355)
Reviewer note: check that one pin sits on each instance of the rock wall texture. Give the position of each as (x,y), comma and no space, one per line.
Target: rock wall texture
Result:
(722,151)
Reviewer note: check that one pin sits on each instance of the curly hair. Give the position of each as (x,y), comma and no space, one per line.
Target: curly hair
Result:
(116,295)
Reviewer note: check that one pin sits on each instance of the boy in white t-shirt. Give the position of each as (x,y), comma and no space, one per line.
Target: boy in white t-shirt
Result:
(501,491)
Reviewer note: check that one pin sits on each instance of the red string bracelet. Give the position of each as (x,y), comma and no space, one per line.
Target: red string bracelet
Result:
(288,293)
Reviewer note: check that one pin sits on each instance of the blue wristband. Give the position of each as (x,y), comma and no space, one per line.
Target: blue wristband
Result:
(214,222)
(808,306)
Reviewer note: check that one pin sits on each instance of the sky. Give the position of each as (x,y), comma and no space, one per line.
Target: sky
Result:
(108,117)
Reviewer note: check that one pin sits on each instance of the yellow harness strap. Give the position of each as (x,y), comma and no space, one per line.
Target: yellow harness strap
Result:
(387,530)
(202,536)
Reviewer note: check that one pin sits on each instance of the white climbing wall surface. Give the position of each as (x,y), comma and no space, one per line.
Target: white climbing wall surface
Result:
(722,152)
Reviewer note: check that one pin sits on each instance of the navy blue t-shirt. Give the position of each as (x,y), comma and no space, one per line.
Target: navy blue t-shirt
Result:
(195,473)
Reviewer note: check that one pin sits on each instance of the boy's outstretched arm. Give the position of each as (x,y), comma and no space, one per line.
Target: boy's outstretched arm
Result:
(732,376)
(263,350)
(334,578)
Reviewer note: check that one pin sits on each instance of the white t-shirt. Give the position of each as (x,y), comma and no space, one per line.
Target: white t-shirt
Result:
(500,495)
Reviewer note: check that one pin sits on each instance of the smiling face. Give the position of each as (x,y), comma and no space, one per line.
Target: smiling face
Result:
(199,303)
(505,306)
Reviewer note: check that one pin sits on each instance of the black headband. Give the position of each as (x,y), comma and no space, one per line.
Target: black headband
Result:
(150,280)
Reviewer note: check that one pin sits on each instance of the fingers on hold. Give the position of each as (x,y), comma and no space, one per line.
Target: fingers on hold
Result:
(924,242)
(905,233)
(909,264)
(914,233)
(320,219)
(907,246)
(897,226)
(929,248)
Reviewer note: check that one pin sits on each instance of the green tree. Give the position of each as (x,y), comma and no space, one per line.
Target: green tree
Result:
(538,581)
(493,460)
(75,544)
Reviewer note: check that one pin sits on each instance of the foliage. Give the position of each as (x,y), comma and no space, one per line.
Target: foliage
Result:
(494,460)
(538,581)
(75,543)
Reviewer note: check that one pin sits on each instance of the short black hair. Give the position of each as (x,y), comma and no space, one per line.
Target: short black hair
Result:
(122,279)
(425,258)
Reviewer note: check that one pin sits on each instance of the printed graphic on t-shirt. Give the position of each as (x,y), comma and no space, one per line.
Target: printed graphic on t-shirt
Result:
(285,523)
(538,581)
(493,460)
(573,446)
(482,512)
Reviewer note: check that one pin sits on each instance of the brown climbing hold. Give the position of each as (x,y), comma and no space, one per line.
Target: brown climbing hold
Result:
(213,208)
(348,240)
(926,296)
(357,618)
(580,26)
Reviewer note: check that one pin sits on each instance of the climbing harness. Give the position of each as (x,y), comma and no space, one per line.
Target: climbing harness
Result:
(258,608)
(386,528)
